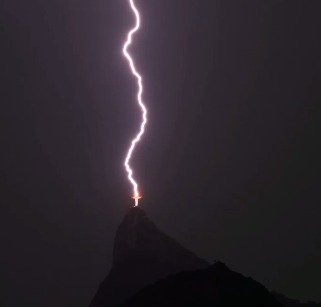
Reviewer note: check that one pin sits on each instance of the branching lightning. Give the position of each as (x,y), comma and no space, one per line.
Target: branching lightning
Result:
(140,102)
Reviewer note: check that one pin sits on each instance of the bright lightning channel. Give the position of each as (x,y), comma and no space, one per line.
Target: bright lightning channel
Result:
(141,104)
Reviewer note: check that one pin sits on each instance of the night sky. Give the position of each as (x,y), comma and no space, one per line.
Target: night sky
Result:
(229,166)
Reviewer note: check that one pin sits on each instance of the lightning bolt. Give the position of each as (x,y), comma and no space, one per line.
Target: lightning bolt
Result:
(140,102)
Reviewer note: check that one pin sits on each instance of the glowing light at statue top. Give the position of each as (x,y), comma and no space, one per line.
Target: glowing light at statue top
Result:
(129,170)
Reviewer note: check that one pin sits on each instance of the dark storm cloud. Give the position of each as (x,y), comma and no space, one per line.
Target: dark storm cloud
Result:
(230,162)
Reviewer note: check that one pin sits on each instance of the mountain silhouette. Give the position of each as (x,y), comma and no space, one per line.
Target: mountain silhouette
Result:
(142,255)
(287,302)
(214,286)
(151,269)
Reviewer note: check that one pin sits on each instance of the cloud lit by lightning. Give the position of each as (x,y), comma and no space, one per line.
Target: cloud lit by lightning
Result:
(140,102)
